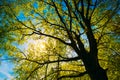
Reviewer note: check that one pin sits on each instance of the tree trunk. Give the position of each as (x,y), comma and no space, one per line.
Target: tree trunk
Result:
(93,68)
(98,74)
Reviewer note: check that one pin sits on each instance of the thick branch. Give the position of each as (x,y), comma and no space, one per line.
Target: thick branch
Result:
(68,6)
(82,3)
(88,8)
(95,5)
(60,17)
(47,35)
(62,20)
(48,62)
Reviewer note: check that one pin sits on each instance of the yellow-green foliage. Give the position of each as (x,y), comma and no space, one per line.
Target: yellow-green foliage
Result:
(41,54)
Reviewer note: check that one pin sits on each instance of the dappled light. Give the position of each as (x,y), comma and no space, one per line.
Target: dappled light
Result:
(60,39)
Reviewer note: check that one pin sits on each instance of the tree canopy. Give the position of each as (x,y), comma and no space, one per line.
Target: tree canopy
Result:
(62,39)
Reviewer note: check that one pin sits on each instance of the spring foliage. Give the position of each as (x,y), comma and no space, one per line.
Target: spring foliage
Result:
(38,36)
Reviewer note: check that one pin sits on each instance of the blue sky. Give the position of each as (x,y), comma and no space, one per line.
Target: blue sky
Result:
(6,70)
(6,67)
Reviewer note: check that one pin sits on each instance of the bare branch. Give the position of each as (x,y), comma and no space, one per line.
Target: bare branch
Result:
(60,71)
(60,17)
(95,5)
(68,6)
(88,7)
(38,67)
(48,62)
(49,21)
(47,35)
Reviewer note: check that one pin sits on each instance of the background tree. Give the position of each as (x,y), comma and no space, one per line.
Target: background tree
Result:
(66,38)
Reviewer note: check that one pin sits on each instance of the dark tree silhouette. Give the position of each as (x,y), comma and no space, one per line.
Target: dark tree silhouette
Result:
(80,21)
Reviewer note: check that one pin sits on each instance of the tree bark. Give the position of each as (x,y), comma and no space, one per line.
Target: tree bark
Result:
(98,74)
(94,70)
